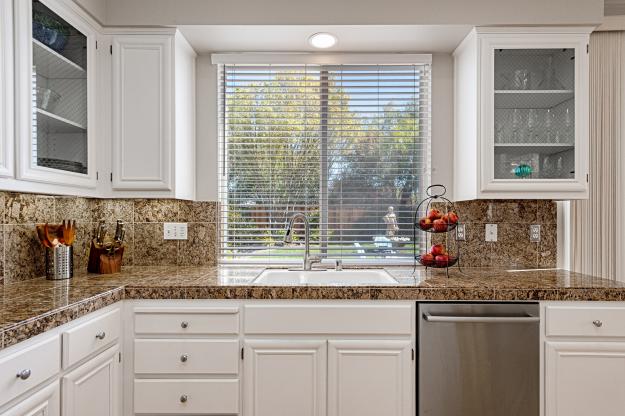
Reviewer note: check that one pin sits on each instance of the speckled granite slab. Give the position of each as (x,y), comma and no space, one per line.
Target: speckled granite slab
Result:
(33,306)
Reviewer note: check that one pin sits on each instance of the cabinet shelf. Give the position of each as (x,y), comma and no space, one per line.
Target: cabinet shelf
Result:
(531,98)
(542,148)
(53,123)
(51,64)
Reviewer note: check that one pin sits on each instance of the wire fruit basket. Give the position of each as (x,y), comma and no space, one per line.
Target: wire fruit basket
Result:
(436,215)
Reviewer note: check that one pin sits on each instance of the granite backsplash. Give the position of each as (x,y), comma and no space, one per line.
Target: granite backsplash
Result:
(22,256)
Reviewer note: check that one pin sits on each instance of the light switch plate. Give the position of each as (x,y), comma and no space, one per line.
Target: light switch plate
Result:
(461,232)
(535,233)
(491,232)
(175,231)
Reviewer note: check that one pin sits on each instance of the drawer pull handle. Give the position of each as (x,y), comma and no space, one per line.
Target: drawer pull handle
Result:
(184,324)
(100,335)
(597,323)
(183,398)
(24,374)
(184,358)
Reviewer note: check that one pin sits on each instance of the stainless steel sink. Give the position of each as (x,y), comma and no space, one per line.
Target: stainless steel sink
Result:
(280,277)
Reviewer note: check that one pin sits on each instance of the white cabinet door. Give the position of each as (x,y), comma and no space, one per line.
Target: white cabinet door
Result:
(584,378)
(370,378)
(6,89)
(94,388)
(285,378)
(142,112)
(45,402)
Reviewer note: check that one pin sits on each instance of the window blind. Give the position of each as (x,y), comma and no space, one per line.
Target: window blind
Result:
(348,145)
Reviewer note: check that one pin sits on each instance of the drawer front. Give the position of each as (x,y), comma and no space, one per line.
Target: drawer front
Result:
(85,339)
(182,321)
(186,356)
(329,319)
(37,363)
(186,397)
(585,321)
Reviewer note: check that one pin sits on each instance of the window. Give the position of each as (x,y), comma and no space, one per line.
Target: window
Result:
(348,145)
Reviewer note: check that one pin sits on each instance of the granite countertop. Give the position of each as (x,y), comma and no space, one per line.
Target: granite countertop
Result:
(33,306)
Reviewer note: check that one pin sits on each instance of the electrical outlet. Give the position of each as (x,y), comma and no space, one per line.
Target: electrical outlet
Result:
(535,233)
(175,231)
(491,232)
(461,232)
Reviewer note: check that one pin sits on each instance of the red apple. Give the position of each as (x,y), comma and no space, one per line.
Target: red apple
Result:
(425,223)
(437,249)
(427,259)
(434,214)
(453,217)
(440,225)
(442,260)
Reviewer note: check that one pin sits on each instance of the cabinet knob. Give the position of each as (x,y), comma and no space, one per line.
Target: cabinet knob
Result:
(24,374)
(184,324)
(184,358)
(183,398)
(597,323)
(100,335)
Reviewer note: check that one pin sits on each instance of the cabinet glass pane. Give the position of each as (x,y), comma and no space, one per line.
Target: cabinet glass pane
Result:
(59,93)
(534,120)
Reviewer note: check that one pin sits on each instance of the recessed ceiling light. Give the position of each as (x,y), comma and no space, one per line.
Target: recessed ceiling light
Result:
(322,40)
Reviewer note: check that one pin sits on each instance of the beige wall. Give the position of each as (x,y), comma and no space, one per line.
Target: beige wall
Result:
(96,8)
(207,142)
(476,12)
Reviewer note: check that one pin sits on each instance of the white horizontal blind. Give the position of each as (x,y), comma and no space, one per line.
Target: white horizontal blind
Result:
(341,143)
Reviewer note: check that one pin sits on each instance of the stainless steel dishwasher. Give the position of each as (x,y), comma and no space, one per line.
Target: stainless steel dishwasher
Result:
(478,359)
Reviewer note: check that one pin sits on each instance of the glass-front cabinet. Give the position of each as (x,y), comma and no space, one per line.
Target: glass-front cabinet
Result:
(56,97)
(531,123)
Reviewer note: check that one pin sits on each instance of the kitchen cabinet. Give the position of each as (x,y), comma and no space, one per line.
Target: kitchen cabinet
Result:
(153,114)
(55,93)
(285,377)
(44,402)
(584,378)
(6,89)
(370,378)
(521,114)
(94,388)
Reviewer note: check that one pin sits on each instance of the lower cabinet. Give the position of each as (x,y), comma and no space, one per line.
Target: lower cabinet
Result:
(285,378)
(584,378)
(45,402)
(94,387)
(361,377)
(370,378)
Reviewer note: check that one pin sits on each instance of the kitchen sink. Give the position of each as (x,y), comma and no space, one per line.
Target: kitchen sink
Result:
(324,277)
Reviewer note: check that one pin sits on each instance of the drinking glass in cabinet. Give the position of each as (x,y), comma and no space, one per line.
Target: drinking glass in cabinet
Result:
(534,121)
(59,91)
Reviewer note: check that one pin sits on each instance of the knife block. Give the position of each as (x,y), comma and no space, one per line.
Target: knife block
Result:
(101,262)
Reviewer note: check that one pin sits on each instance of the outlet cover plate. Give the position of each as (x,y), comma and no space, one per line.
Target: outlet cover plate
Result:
(461,232)
(491,232)
(535,233)
(175,231)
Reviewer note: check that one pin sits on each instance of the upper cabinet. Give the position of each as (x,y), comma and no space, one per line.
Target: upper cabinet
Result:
(153,114)
(6,89)
(55,75)
(521,114)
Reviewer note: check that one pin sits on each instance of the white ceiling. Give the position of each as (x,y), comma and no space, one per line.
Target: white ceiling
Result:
(374,38)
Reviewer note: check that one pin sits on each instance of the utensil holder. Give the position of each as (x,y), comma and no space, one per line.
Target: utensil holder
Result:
(60,262)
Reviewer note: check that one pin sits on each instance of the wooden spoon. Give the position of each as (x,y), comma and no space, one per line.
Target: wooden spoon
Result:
(42,236)
(71,232)
(53,242)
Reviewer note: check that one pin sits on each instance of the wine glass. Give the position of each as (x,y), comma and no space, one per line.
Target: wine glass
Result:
(568,125)
(532,123)
(516,125)
(549,118)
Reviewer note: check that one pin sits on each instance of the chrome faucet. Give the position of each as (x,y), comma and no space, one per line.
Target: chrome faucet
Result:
(288,238)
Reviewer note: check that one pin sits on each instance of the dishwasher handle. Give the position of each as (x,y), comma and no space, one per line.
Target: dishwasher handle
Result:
(481,319)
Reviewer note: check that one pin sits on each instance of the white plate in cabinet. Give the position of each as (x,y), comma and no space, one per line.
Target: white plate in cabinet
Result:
(585,321)
(181,321)
(186,356)
(28,367)
(329,319)
(188,397)
(85,339)
(584,378)
(44,402)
